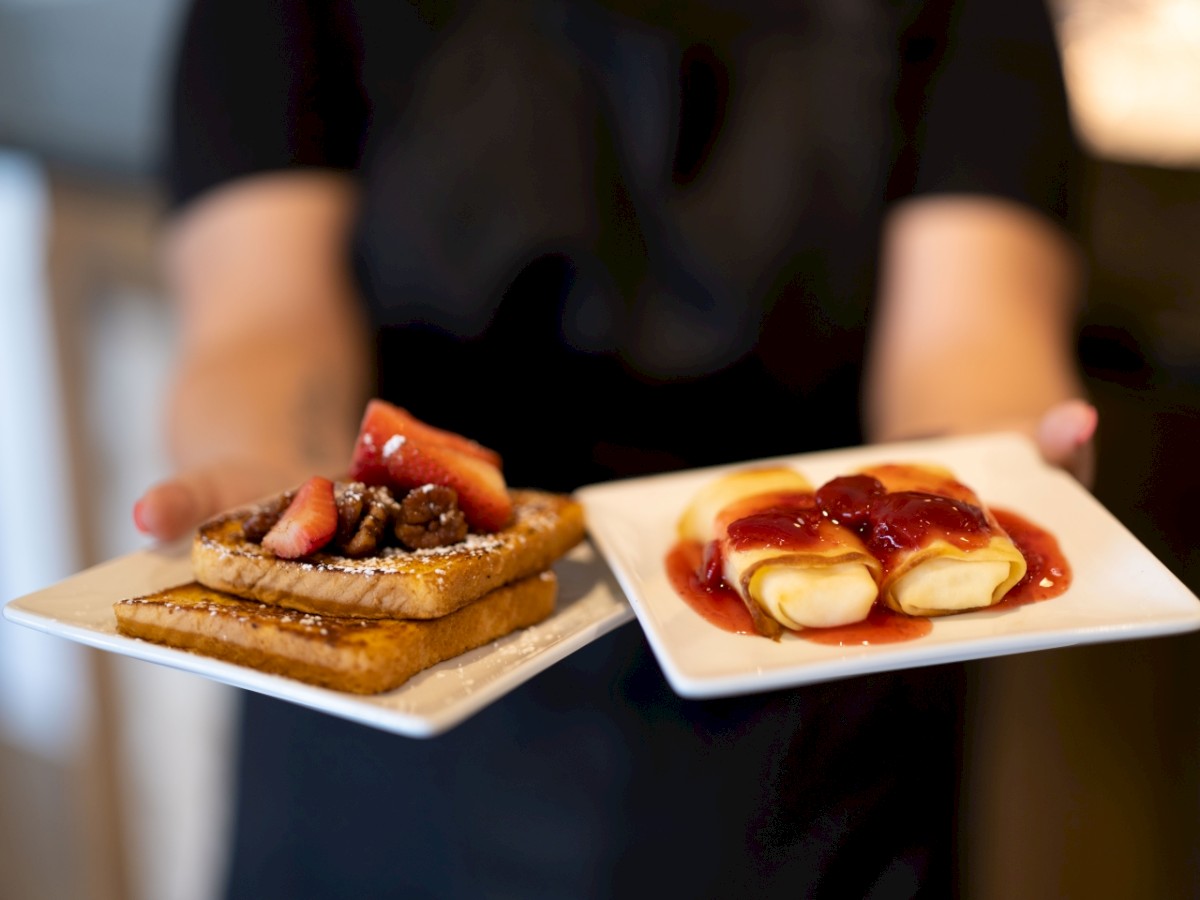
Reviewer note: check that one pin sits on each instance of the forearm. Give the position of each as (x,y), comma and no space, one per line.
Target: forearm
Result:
(975,321)
(274,357)
(293,395)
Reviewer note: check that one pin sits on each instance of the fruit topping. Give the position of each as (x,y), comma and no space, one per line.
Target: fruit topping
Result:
(309,522)
(264,517)
(403,453)
(482,494)
(382,421)
(369,519)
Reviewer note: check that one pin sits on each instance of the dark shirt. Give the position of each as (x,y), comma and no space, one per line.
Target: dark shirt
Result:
(595,165)
(610,239)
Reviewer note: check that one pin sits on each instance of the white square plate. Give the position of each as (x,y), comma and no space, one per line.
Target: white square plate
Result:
(431,702)
(1119,591)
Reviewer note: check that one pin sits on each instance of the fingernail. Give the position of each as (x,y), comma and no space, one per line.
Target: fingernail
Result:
(139,516)
(1086,419)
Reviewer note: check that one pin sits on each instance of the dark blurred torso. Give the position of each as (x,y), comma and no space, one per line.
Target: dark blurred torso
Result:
(672,229)
(607,240)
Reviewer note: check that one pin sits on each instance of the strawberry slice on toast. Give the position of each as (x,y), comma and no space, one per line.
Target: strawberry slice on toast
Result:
(309,522)
(383,420)
(398,450)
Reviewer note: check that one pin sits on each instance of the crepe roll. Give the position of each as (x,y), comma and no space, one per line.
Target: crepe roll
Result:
(791,566)
(698,522)
(941,548)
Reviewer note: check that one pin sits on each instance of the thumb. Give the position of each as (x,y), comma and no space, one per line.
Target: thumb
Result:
(1065,437)
(173,507)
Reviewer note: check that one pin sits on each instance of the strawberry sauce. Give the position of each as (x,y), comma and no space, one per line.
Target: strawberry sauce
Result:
(1048,574)
(711,598)
(891,523)
(694,575)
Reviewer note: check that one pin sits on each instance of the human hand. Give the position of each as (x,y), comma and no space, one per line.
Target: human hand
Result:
(173,507)
(1065,435)
(275,351)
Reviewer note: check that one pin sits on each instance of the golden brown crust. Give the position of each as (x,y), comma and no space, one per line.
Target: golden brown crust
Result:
(363,656)
(421,584)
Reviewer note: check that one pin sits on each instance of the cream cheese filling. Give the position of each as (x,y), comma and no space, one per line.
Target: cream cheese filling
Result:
(817,597)
(950,585)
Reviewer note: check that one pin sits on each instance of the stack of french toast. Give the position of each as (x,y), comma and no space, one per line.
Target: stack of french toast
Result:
(421,553)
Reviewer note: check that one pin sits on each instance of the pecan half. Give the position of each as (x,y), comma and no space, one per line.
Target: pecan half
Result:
(263,518)
(378,514)
(350,497)
(429,517)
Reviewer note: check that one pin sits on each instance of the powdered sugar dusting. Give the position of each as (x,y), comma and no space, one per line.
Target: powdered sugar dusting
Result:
(534,515)
(394,443)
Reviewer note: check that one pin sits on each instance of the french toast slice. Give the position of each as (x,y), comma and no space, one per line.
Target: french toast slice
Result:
(362,656)
(395,584)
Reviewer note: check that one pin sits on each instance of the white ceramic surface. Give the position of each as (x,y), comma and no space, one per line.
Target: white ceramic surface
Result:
(431,702)
(1120,591)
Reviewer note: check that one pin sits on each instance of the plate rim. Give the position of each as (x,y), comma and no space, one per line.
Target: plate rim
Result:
(1180,618)
(30,610)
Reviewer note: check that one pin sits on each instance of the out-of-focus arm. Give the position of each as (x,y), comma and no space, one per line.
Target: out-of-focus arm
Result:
(975,328)
(274,358)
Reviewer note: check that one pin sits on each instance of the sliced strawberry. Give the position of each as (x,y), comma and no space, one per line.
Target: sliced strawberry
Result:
(383,421)
(482,493)
(308,524)
(395,448)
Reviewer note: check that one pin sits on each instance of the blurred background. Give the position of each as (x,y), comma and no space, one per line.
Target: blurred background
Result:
(1081,779)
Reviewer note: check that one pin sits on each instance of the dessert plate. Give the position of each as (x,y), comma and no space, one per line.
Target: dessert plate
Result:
(431,702)
(1119,591)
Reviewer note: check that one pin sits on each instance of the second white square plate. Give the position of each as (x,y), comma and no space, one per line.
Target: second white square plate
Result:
(1120,591)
